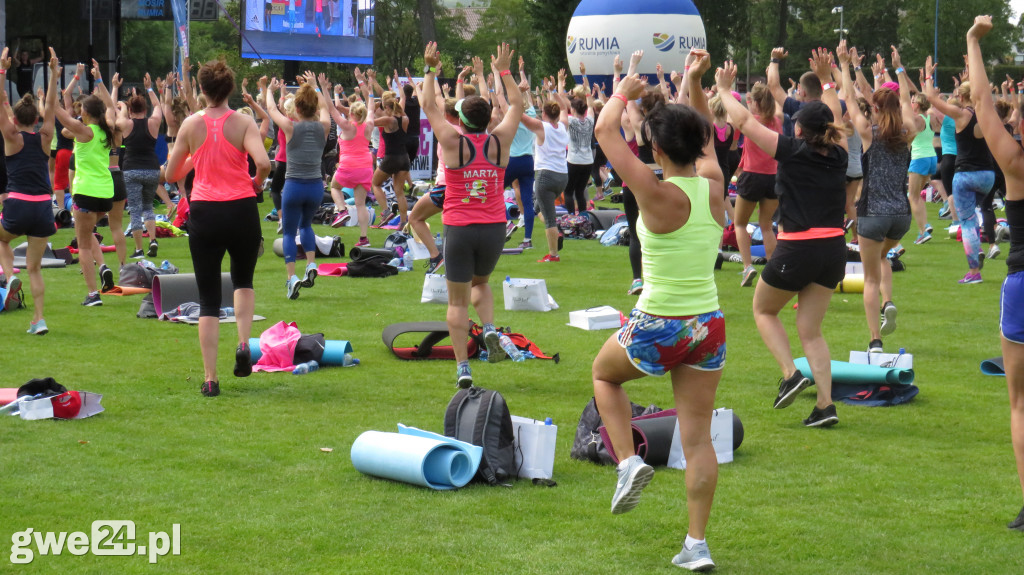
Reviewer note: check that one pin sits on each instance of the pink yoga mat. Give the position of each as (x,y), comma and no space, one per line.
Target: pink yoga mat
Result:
(8,394)
(337,270)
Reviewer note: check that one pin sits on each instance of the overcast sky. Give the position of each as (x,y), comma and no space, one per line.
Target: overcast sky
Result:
(1017,6)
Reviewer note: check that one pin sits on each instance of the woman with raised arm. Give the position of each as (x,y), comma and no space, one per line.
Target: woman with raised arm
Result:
(973,175)
(810,258)
(224,214)
(1010,157)
(474,205)
(355,162)
(27,210)
(883,212)
(677,326)
(303,188)
(394,164)
(141,167)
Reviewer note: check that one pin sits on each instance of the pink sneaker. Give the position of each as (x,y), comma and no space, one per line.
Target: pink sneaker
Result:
(340,218)
(363,242)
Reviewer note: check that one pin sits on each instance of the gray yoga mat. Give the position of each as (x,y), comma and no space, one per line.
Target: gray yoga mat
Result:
(50,260)
(172,290)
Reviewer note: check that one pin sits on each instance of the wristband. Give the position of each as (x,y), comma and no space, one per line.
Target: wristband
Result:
(3,71)
(900,70)
(857,68)
(149,89)
(509,73)
(76,76)
(99,80)
(775,60)
(619,96)
(459,82)
(828,86)
(926,78)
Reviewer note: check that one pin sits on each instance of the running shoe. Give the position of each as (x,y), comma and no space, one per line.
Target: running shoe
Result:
(888,318)
(944,211)
(385,217)
(138,255)
(923,238)
(210,389)
(310,277)
(1017,523)
(928,228)
(292,286)
(526,245)
(897,252)
(363,242)
(633,476)
(38,328)
(549,258)
(510,228)
(153,247)
(748,277)
(636,288)
(822,417)
(696,559)
(340,218)
(875,346)
(92,300)
(463,377)
(434,263)
(243,360)
(12,292)
(789,388)
(970,278)
(272,216)
(598,197)
(492,340)
(994,252)
(106,278)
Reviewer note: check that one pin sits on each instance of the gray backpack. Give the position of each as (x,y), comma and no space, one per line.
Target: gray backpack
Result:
(481,417)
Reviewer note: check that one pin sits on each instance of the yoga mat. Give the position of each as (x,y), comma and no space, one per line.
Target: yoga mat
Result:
(337,270)
(512,251)
(511,210)
(49,260)
(992,366)
(172,290)
(758,251)
(855,373)
(103,248)
(334,351)
(852,283)
(125,290)
(8,394)
(358,253)
(417,457)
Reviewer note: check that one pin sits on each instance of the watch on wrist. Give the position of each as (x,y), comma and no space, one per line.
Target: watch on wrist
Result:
(428,69)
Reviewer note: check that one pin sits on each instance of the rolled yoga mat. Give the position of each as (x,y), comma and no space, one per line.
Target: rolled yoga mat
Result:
(417,457)
(758,251)
(993,366)
(852,283)
(172,290)
(511,210)
(856,373)
(334,351)
(357,253)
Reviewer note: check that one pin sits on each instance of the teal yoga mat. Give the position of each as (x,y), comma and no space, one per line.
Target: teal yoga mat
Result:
(334,351)
(993,366)
(417,457)
(854,373)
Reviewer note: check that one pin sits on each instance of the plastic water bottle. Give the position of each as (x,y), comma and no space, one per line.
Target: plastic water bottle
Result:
(511,349)
(307,367)
(407,260)
(547,421)
(349,361)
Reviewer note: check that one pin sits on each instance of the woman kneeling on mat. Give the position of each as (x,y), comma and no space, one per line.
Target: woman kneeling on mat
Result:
(224,215)
(810,256)
(677,326)
(474,204)
(1010,157)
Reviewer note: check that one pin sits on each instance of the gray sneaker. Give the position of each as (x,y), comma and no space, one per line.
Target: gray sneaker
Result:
(696,559)
(888,318)
(495,352)
(634,475)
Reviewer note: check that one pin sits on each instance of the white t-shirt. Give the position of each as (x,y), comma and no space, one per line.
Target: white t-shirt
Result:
(551,155)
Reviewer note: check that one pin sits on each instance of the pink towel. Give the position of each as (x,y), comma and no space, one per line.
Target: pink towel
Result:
(277,344)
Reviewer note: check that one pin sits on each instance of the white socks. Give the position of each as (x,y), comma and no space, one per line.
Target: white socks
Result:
(690,541)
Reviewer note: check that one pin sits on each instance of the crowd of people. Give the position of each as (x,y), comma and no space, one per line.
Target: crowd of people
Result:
(834,153)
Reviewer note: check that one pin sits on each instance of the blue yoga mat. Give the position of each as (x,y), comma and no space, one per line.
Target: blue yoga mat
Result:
(854,373)
(758,251)
(417,457)
(334,351)
(993,366)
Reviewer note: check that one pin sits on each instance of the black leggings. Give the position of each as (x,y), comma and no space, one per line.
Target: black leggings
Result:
(215,228)
(632,213)
(277,183)
(988,214)
(576,190)
(946,169)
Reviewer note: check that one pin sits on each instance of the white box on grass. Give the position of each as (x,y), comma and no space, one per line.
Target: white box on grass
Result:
(601,317)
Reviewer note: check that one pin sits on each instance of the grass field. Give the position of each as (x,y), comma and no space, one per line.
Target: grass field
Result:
(924,487)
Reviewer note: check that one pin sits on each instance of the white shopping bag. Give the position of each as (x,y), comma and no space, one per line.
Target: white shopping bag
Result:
(527,295)
(353,221)
(900,360)
(534,447)
(601,317)
(721,439)
(853,268)
(435,289)
(419,251)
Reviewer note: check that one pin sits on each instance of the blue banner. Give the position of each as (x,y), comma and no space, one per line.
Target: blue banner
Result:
(180,10)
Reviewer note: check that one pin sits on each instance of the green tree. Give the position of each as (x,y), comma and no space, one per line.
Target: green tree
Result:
(549,22)
(506,21)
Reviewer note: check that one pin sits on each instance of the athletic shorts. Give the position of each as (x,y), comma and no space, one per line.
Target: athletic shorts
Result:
(795,264)
(924,166)
(437,196)
(878,228)
(854,178)
(392,164)
(756,187)
(90,204)
(349,176)
(28,217)
(1011,308)
(120,189)
(656,345)
(60,170)
(472,250)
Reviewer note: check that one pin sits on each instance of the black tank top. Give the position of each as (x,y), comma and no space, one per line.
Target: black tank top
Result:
(722,147)
(394,142)
(28,171)
(412,110)
(62,142)
(972,153)
(140,148)
(1015,219)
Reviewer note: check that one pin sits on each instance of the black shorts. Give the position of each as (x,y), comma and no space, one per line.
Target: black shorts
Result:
(90,204)
(796,264)
(120,190)
(392,164)
(28,218)
(472,250)
(756,187)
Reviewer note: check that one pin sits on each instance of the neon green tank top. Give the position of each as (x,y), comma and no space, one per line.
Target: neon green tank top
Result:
(92,175)
(679,267)
(922,147)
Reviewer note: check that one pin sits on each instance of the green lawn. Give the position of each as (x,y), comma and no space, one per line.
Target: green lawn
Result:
(925,487)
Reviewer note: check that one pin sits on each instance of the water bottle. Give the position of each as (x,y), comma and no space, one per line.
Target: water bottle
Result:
(547,421)
(349,361)
(407,260)
(166,265)
(511,349)
(903,350)
(307,367)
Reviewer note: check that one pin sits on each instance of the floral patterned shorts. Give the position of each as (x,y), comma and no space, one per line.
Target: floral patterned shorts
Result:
(657,344)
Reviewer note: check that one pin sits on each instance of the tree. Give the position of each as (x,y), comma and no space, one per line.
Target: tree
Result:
(428,30)
(506,21)
(550,21)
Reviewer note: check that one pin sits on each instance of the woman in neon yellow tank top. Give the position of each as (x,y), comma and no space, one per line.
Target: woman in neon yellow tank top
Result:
(677,326)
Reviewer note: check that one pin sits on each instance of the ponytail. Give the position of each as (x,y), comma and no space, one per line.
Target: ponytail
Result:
(830,136)
(95,107)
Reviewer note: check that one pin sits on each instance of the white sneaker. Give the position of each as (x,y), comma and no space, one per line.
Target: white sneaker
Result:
(634,475)
(696,559)
(993,252)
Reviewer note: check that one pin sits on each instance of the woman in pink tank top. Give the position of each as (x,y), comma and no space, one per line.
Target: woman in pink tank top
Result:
(224,215)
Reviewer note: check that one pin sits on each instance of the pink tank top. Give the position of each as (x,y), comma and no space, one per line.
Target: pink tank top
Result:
(475,192)
(756,160)
(222,170)
(355,150)
(282,148)
(442,177)
(380,143)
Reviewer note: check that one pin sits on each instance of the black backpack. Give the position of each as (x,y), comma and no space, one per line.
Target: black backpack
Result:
(371,267)
(481,417)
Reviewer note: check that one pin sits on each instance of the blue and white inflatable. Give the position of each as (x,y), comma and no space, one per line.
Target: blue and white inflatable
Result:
(666,30)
